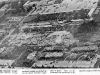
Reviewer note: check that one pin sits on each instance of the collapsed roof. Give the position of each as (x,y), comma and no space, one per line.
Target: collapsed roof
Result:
(66,10)
(67,6)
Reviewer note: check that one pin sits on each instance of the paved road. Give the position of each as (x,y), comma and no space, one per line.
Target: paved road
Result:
(20,24)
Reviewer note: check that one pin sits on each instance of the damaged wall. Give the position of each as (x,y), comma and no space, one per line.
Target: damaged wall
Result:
(67,6)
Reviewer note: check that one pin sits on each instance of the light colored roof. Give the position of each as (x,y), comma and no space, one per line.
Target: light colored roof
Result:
(6,62)
(3,0)
(60,33)
(85,48)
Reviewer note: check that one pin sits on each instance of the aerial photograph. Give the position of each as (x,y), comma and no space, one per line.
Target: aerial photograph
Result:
(49,34)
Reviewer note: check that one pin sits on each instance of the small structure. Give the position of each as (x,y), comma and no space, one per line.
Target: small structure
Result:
(30,4)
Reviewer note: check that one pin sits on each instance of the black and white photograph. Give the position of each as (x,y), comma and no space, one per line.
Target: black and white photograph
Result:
(50,34)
